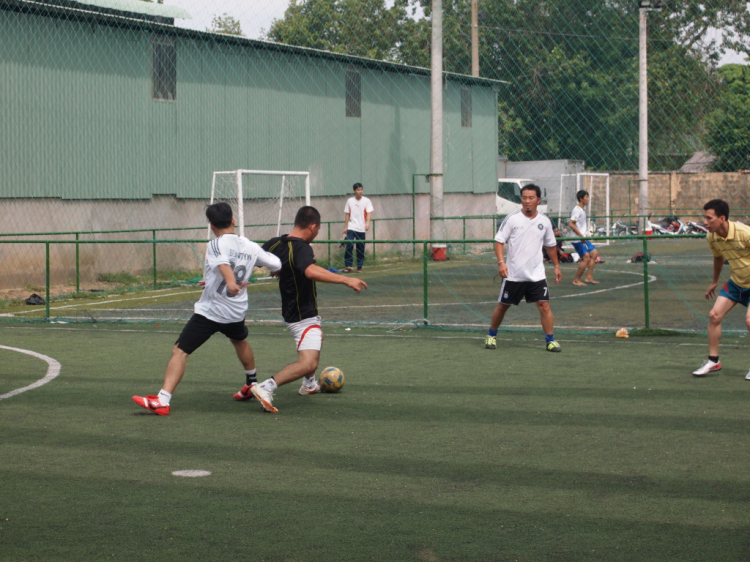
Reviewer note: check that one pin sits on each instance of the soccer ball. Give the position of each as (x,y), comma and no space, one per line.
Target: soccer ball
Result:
(331,379)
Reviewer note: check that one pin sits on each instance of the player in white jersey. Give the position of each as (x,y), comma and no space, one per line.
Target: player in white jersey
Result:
(357,213)
(520,238)
(586,250)
(230,260)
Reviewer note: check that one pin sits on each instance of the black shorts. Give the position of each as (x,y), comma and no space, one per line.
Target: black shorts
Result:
(511,292)
(199,328)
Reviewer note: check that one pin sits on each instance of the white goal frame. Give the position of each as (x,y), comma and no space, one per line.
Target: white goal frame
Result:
(240,199)
(579,181)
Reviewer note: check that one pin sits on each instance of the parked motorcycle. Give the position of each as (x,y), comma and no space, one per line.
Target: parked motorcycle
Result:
(620,228)
(667,226)
(696,228)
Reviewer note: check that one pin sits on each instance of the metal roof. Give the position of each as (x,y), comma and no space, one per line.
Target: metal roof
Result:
(140,7)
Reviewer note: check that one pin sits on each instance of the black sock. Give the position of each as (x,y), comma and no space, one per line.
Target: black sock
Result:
(714,358)
(250,379)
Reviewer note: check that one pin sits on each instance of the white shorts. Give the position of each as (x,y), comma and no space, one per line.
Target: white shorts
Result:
(307,333)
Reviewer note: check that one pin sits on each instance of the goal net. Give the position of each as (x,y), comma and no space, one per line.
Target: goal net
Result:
(598,210)
(264,202)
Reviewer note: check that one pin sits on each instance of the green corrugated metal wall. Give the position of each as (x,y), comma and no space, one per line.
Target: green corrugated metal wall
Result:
(79,122)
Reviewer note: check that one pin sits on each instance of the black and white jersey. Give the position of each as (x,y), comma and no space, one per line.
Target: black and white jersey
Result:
(242,255)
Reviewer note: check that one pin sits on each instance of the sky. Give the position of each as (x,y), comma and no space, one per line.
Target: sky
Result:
(257,16)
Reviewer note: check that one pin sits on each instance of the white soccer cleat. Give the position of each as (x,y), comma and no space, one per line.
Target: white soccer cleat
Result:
(264,396)
(304,390)
(708,367)
(747,376)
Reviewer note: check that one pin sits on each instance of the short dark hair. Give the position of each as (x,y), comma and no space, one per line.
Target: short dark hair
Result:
(581,194)
(356,186)
(719,206)
(532,187)
(307,216)
(219,214)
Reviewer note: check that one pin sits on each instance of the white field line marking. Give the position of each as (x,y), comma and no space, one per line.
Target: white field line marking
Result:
(651,279)
(110,301)
(285,335)
(52,371)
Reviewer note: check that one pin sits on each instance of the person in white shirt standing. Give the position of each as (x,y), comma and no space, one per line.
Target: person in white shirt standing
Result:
(523,233)
(586,250)
(357,214)
(229,263)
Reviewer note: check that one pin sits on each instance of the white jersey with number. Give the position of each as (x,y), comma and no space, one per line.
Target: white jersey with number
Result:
(523,239)
(242,255)
(358,212)
(578,216)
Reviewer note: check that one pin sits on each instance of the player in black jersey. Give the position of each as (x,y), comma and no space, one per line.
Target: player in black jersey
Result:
(299,306)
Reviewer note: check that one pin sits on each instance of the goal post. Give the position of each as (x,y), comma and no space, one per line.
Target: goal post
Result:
(272,197)
(597,184)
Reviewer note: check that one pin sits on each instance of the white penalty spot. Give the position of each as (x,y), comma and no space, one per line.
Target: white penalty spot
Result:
(191,473)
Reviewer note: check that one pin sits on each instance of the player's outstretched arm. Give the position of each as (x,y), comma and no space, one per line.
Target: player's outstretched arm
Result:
(269,260)
(317,273)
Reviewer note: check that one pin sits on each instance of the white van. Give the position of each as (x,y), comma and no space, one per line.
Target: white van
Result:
(508,197)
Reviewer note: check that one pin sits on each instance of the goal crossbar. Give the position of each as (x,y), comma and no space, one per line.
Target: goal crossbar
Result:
(240,191)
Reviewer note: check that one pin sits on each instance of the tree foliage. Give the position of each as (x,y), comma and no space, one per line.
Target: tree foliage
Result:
(728,127)
(571,67)
(225,24)
(366,28)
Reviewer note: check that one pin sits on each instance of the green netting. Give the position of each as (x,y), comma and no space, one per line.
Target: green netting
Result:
(460,292)
(117,114)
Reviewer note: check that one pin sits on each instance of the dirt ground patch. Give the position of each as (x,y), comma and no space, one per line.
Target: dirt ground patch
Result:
(57,290)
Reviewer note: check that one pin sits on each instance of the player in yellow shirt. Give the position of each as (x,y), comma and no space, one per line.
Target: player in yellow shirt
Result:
(730,241)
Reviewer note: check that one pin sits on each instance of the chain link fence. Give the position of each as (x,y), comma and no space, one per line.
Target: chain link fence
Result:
(117,113)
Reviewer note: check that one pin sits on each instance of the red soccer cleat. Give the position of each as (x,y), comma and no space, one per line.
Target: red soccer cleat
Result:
(244,394)
(152,404)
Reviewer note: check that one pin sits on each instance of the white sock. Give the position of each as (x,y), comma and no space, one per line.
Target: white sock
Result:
(309,381)
(164,397)
(269,384)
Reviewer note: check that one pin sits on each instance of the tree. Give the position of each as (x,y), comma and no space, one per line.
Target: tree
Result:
(225,24)
(728,127)
(366,28)
(572,66)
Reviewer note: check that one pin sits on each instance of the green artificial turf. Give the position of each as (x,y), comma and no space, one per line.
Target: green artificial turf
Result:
(435,450)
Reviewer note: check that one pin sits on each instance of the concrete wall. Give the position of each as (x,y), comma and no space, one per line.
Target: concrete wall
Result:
(23,264)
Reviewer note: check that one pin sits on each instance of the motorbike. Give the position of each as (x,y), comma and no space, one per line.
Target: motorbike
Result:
(696,228)
(668,226)
(620,228)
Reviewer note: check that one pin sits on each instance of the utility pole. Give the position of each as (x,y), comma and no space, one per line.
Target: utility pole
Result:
(437,226)
(475,37)
(643,207)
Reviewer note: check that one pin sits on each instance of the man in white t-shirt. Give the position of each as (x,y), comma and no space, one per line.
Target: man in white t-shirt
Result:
(230,260)
(357,214)
(520,238)
(586,250)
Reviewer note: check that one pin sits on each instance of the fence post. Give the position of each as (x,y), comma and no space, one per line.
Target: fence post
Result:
(78,266)
(328,224)
(425,283)
(463,220)
(374,245)
(645,282)
(153,251)
(46,287)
